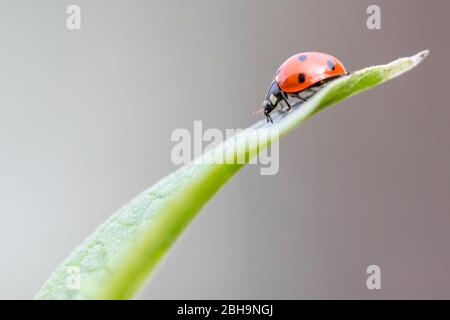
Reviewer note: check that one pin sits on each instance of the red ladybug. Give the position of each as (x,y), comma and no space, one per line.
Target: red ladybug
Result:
(300,73)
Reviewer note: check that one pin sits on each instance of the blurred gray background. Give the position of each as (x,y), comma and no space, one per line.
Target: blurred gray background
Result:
(86,118)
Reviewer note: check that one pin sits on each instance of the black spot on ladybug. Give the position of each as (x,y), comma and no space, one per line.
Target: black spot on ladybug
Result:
(331,65)
(301,77)
(302,57)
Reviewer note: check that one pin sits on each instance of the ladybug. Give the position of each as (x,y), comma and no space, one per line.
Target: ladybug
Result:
(303,73)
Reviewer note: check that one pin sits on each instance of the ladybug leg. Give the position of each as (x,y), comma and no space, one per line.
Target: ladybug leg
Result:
(286,101)
(289,107)
(301,98)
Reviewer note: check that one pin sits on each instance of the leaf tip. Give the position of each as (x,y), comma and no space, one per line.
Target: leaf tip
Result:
(420,56)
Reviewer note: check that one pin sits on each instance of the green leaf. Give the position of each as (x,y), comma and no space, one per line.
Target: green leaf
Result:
(116,259)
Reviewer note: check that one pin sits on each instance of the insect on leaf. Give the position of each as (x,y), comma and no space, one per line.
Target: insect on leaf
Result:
(115,261)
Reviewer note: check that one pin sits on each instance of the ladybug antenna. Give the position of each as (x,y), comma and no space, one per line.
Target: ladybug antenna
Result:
(258,112)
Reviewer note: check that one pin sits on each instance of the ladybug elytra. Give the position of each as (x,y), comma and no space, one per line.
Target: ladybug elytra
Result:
(301,73)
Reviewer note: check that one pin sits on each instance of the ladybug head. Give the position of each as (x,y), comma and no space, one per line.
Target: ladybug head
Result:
(267,105)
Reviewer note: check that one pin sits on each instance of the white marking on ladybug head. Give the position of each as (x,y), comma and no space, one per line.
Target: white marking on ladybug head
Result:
(273,99)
